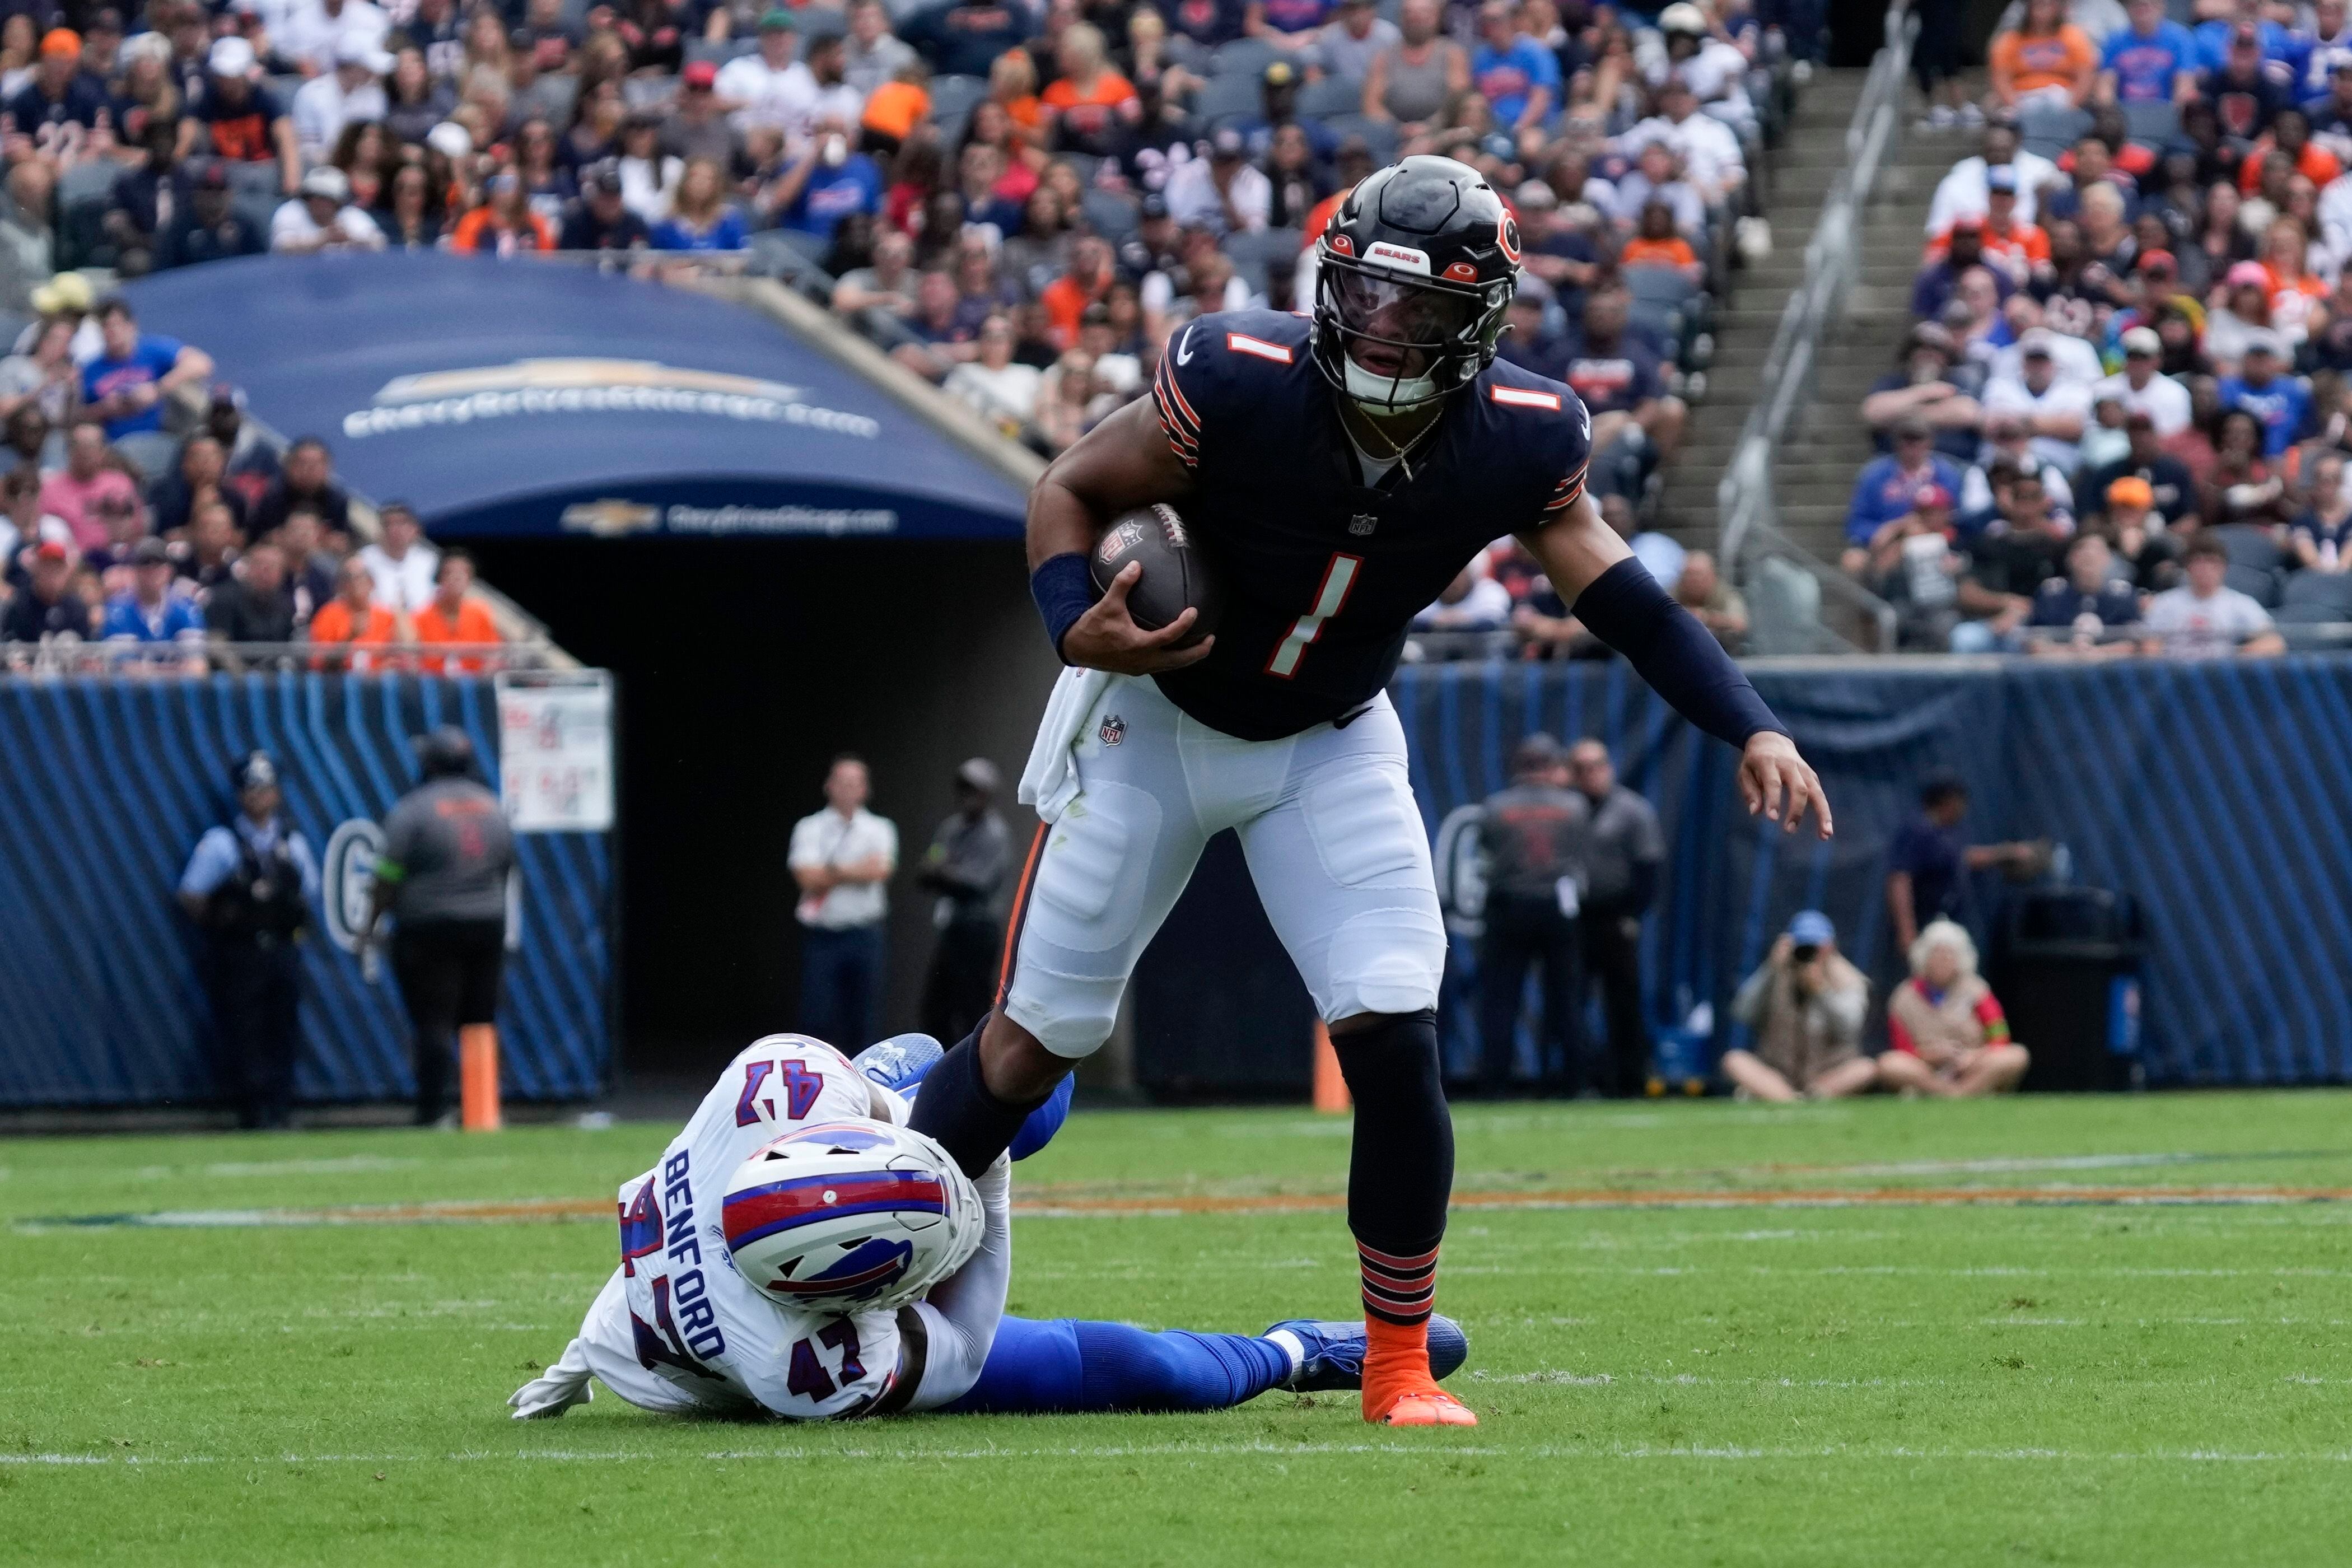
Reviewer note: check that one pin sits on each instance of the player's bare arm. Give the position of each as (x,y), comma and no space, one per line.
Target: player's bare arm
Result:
(1577,549)
(1123,463)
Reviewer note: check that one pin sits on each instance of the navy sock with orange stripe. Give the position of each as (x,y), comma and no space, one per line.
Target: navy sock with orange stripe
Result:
(1401,1171)
(956,1107)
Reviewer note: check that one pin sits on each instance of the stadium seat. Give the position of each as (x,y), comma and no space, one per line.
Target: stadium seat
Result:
(2050,131)
(1226,98)
(1380,135)
(955,97)
(1110,214)
(708,51)
(1256,255)
(2152,124)
(2249,545)
(2308,638)
(1243,57)
(254,179)
(1332,95)
(648,91)
(151,452)
(2317,598)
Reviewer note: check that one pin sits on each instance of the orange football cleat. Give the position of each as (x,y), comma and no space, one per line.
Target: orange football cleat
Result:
(1434,1408)
(1398,1388)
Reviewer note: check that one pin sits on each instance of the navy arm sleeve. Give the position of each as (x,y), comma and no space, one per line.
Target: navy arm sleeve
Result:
(1679,659)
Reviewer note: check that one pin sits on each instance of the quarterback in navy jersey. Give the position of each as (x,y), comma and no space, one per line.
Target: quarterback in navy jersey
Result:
(1336,472)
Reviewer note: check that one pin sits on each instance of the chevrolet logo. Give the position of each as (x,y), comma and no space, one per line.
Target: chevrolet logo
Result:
(610,518)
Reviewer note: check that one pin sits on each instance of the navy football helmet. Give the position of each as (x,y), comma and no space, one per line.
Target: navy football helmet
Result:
(1413,279)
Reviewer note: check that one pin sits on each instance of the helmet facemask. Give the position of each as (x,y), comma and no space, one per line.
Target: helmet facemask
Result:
(1394,343)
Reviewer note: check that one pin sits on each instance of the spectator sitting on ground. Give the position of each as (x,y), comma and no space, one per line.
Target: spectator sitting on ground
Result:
(125,385)
(255,605)
(47,607)
(307,478)
(1803,1009)
(353,618)
(2206,619)
(149,611)
(1715,604)
(602,220)
(2087,611)
(1947,1034)
(993,385)
(320,216)
(401,566)
(1887,492)
(454,615)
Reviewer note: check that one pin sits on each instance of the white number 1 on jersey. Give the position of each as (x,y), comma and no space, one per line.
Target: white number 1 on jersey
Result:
(1338,578)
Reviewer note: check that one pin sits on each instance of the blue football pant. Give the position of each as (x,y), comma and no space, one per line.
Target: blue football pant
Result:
(1064,1365)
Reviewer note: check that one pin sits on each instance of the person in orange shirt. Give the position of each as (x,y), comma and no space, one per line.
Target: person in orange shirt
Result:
(2047,58)
(1090,109)
(894,108)
(2289,133)
(353,619)
(1093,270)
(1655,244)
(503,225)
(454,615)
(2017,248)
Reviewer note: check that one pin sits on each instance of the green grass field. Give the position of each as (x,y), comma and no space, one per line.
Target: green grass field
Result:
(2035,1374)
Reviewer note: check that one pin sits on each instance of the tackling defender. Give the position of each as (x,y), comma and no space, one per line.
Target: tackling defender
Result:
(1339,473)
(793,1286)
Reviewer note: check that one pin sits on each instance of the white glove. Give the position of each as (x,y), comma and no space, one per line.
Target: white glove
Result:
(550,1396)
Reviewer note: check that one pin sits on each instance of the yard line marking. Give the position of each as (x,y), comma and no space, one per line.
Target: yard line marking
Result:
(1420,1451)
(532,1210)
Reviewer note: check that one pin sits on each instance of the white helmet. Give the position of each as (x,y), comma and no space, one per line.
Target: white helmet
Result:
(852,1214)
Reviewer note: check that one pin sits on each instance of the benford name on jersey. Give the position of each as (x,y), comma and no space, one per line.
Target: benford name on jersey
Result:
(696,1319)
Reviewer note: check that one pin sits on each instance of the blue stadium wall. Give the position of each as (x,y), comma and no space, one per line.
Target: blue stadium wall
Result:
(105,785)
(2218,795)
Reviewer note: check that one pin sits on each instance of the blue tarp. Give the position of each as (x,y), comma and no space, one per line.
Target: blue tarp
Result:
(521,398)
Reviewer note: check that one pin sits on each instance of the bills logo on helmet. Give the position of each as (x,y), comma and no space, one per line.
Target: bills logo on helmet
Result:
(868,1268)
(1507,231)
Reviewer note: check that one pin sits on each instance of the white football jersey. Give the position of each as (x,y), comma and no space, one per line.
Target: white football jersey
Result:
(691,1320)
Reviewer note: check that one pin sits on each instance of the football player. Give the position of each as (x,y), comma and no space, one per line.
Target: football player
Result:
(683,1324)
(1337,472)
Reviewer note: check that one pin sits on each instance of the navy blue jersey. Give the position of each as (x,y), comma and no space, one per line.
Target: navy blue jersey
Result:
(1323,574)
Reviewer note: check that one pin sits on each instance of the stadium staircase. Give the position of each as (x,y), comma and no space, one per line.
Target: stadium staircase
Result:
(1827,445)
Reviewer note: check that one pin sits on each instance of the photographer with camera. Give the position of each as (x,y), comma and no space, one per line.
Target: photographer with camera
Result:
(1803,1009)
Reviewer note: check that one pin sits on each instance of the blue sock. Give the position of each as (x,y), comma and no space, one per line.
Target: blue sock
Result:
(1065,1365)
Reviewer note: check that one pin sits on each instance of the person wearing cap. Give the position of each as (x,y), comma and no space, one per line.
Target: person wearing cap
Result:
(842,859)
(63,112)
(2240,24)
(1886,490)
(1707,149)
(2055,410)
(442,875)
(250,887)
(1221,191)
(1346,45)
(149,611)
(311,39)
(769,86)
(320,216)
(47,607)
(966,867)
(2084,612)
(352,90)
(2142,388)
(1534,835)
(2146,552)
(2153,59)
(602,220)
(1803,1009)
(697,125)
(2282,403)
(239,116)
(2009,245)
(1518,78)
(1914,566)
(1710,65)
(2241,86)
(1930,381)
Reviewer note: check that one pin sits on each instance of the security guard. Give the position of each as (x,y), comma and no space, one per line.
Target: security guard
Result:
(250,885)
(1533,834)
(447,851)
(1624,851)
(966,867)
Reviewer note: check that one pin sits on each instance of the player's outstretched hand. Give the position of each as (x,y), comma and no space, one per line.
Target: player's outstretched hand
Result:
(1107,637)
(1770,769)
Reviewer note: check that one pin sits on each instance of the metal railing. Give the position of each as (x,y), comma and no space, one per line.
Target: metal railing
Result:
(67,654)
(1751,542)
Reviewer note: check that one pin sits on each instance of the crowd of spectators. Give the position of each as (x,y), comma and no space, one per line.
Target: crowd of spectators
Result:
(2119,422)
(117,528)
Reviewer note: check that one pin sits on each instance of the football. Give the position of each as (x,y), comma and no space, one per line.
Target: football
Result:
(1174,573)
